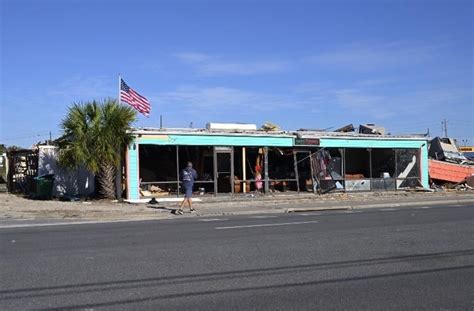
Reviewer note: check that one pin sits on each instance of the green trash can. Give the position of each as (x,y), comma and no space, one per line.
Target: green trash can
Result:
(44,186)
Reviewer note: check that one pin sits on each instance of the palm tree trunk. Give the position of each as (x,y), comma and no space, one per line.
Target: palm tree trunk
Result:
(106,180)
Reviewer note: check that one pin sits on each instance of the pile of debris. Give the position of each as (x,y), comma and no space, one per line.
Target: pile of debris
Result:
(448,167)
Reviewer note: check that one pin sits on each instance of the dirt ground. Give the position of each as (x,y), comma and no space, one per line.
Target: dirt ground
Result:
(18,207)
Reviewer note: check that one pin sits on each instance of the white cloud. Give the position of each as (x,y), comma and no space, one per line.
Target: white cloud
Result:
(83,88)
(215,100)
(363,56)
(208,65)
(192,57)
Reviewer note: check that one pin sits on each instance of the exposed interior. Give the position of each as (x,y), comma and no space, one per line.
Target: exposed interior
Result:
(383,162)
(303,160)
(357,163)
(228,170)
(253,164)
(281,170)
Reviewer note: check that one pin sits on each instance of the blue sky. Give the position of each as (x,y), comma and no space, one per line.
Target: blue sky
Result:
(300,64)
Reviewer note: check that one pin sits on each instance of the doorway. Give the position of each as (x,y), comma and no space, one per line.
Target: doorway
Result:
(304,170)
(224,170)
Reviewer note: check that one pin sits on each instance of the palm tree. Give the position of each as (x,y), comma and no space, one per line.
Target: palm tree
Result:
(95,134)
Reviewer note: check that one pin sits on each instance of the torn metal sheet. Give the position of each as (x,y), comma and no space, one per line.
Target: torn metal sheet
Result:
(371,129)
(445,149)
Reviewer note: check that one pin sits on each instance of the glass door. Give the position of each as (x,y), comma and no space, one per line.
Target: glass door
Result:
(224,170)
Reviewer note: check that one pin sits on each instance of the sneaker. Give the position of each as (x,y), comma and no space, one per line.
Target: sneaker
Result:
(179,212)
(192,210)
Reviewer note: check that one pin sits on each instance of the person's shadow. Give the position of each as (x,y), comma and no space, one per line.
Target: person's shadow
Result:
(154,204)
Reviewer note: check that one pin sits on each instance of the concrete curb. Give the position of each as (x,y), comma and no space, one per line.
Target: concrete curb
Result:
(260,211)
(378,205)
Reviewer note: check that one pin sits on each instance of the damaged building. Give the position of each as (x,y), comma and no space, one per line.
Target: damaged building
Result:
(239,159)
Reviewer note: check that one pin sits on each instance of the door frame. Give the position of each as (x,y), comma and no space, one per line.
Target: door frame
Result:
(223,150)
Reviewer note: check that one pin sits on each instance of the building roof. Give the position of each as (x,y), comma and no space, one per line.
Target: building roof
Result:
(203,131)
(297,134)
(353,135)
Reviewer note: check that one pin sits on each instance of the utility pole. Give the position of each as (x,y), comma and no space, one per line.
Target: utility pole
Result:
(444,125)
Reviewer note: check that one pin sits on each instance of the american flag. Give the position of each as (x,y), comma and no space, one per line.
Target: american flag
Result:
(128,95)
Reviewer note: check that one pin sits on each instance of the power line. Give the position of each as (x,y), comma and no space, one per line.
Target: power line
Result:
(40,134)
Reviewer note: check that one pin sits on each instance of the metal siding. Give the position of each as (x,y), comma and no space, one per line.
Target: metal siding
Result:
(132,182)
(370,143)
(216,140)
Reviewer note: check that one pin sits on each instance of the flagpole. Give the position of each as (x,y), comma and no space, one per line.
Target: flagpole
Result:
(119,86)
(119,168)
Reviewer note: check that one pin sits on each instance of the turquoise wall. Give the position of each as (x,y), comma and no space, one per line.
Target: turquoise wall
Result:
(370,143)
(424,166)
(132,173)
(216,140)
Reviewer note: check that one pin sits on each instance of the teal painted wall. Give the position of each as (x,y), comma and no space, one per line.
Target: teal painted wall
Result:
(216,140)
(424,166)
(132,173)
(370,143)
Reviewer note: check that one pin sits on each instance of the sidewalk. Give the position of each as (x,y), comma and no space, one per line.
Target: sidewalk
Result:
(17,208)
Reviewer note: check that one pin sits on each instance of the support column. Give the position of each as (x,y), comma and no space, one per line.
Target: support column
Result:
(216,176)
(370,167)
(244,171)
(232,177)
(177,171)
(297,176)
(265,161)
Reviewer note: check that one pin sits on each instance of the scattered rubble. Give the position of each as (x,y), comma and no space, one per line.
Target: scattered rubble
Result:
(449,169)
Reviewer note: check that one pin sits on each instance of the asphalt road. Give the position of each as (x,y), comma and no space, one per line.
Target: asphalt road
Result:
(390,259)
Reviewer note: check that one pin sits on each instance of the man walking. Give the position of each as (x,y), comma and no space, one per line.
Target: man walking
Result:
(188,176)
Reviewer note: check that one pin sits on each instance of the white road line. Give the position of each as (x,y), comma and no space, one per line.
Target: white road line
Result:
(268,225)
(262,217)
(69,223)
(389,209)
(213,219)
(310,214)
(21,219)
(424,207)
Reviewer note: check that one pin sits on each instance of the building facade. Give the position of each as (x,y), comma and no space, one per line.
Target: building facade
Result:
(239,161)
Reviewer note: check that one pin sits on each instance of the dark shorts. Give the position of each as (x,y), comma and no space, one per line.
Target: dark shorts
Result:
(188,191)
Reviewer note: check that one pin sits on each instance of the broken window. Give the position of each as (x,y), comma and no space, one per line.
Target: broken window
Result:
(383,169)
(304,170)
(248,166)
(336,167)
(281,169)
(157,169)
(357,169)
(408,168)
(321,162)
(357,163)
(202,159)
